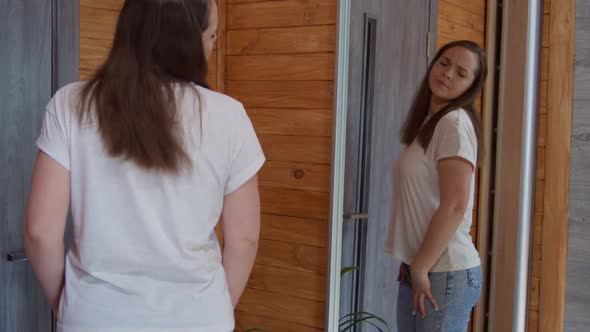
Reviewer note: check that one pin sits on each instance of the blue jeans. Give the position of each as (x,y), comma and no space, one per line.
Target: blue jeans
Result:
(455,292)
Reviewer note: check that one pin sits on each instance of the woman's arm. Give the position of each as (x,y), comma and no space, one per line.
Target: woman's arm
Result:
(44,225)
(455,187)
(241,230)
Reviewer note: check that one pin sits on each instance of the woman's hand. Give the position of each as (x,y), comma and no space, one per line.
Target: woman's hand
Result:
(421,288)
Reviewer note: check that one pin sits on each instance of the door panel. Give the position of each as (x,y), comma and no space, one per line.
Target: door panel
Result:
(25,64)
(28,44)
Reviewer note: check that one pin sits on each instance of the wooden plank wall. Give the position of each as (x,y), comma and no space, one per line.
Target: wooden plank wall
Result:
(280,64)
(551,229)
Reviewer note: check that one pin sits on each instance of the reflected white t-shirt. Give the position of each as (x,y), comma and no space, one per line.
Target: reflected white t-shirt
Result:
(145,256)
(416,194)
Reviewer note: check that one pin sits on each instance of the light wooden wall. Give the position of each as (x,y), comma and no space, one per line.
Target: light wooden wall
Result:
(458,19)
(548,266)
(280,64)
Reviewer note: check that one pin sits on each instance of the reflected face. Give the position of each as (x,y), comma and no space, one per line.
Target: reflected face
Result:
(210,34)
(453,73)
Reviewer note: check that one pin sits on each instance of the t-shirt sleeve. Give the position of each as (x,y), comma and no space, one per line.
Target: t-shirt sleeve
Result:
(53,139)
(247,156)
(454,136)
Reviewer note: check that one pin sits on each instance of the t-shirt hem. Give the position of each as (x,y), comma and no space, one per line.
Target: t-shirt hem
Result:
(441,267)
(245,175)
(52,153)
(216,328)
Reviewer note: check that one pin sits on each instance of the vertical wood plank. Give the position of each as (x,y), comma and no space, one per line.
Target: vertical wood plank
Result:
(221,44)
(557,163)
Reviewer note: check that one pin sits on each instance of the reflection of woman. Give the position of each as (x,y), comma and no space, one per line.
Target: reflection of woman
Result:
(150,162)
(440,276)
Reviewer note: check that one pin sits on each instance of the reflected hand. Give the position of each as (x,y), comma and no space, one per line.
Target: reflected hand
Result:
(421,288)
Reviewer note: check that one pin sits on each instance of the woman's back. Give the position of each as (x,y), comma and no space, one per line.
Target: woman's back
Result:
(145,254)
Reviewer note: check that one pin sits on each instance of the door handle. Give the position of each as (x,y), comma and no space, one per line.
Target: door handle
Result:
(17,256)
(363,216)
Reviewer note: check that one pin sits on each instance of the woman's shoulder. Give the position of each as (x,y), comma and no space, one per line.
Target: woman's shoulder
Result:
(458,118)
(223,109)
(69,91)
(219,100)
(64,101)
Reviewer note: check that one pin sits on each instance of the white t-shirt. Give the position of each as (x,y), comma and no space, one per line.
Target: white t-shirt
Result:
(145,255)
(416,194)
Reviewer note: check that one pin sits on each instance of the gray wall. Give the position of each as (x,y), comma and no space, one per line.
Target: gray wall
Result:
(577,302)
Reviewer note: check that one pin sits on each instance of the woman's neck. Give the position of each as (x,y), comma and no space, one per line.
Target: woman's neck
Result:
(437,104)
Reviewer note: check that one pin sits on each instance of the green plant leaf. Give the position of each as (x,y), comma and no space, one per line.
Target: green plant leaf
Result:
(358,313)
(345,270)
(346,322)
(354,322)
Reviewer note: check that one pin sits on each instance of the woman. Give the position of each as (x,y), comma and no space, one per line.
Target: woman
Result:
(150,162)
(440,276)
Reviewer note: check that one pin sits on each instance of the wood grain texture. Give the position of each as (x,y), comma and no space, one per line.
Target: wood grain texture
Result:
(114,5)
(460,15)
(295,203)
(458,31)
(98,23)
(290,67)
(246,321)
(536,261)
(533,321)
(544,63)
(292,175)
(283,94)
(302,149)
(540,174)
(280,64)
(476,7)
(282,307)
(546,36)
(285,13)
(557,160)
(221,45)
(311,232)
(534,285)
(541,129)
(292,121)
(308,39)
(540,195)
(538,229)
(298,284)
(292,256)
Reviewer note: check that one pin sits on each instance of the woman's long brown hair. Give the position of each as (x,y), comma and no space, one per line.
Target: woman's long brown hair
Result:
(414,126)
(157,44)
